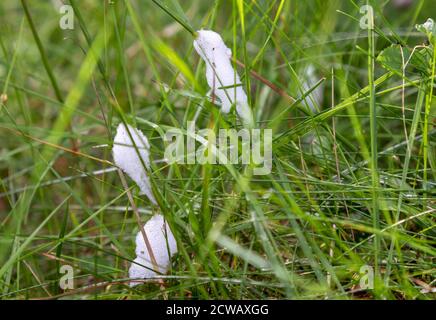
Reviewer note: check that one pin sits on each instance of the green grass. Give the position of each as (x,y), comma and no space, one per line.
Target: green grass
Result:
(352,184)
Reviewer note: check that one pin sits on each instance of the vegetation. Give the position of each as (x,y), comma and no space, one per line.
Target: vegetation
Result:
(352,187)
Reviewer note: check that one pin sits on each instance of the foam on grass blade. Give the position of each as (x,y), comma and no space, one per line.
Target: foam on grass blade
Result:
(164,247)
(221,77)
(428,28)
(131,154)
(315,99)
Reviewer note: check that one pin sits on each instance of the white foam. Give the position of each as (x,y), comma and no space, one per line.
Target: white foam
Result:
(127,157)
(163,245)
(221,77)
